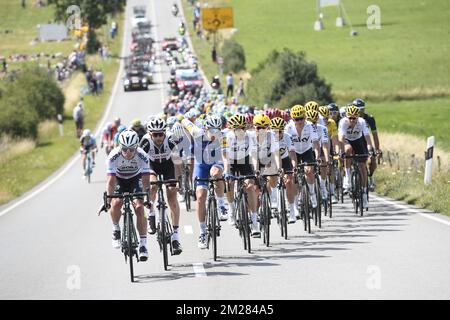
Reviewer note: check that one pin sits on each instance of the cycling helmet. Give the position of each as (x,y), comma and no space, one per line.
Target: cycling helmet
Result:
(359,103)
(297,111)
(312,115)
(121,128)
(136,122)
(117,121)
(156,125)
(352,111)
(171,121)
(285,115)
(333,107)
(213,122)
(237,121)
(277,123)
(312,105)
(109,126)
(86,132)
(249,118)
(261,120)
(324,111)
(161,116)
(128,139)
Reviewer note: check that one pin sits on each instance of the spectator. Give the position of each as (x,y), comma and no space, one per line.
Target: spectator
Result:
(114,29)
(78,117)
(230,82)
(94,84)
(240,90)
(99,77)
(4,66)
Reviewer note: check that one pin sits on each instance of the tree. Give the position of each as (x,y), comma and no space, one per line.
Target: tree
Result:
(286,78)
(94,12)
(233,56)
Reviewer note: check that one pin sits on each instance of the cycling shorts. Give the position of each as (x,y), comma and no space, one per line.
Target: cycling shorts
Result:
(307,156)
(165,168)
(128,185)
(202,171)
(359,146)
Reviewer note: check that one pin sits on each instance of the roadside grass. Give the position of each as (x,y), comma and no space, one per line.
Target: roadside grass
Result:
(421,118)
(402,177)
(22,172)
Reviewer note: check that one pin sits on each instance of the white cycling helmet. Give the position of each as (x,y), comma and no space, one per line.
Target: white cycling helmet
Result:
(156,125)
(128,139)
(213,122)
(86,132)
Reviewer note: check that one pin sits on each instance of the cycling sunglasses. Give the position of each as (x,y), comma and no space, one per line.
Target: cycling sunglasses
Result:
(125,149)
(260,128)
(158,134)
(299,119)
(351,118)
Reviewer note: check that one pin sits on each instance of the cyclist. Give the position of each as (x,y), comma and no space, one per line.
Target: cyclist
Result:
(354,137)
(370,120)
(128,171)
(208,162)
(87,144)
(322,132)
(162,155)
(120,129)
(137,126)
(236,155)
(333,109)
(265,149)
(284,143)
(334,143)
(108,137)
(306,146)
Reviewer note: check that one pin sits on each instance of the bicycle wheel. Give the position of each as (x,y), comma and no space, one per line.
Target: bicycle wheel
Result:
(187,192)
(341,185)
(306,208)
(245,224)
(88,169)
(318,210)
(265,216)
(355,191)
(162,215)
(330,203)
(212,213)
(129,249)
(282,213)
(361,195)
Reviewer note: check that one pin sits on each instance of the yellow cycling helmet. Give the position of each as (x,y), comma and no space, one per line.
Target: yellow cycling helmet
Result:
(277,123)
(297,111)
(136,122)
(352,111)
(261,120)
(324,111)
(312,105)
(237,121)
(312,115)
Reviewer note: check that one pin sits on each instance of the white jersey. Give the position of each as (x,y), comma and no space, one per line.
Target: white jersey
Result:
(126,169)
(237,147)
(322,132)
(355,133)
(303,142)
(264,146)
(284,145)
(321,121)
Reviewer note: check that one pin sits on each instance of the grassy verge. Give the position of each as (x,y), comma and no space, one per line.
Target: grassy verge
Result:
(24,171)
(401,178)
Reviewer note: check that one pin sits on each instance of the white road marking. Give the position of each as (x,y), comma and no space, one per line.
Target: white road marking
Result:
(77,155)
(410,208)
(199,270)
(188,230)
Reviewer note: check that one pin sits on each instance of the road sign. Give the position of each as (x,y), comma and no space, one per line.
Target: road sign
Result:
(217,18)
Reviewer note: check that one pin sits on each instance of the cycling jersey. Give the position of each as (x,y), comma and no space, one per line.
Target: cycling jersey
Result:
(352,134)
(264,145)
(370,120)
(158,154)
(126,169)
(88,142)
(284,144)
(304,141)
(237,147)
(331,126)
(322,133)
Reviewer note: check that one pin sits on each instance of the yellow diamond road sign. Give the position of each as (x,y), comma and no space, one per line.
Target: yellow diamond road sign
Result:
(217,18)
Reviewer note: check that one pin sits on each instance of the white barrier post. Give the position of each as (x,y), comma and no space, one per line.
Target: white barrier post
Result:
(429,160)
(60,124)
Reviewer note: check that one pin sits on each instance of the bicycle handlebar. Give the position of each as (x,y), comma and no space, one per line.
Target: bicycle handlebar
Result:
(161,182)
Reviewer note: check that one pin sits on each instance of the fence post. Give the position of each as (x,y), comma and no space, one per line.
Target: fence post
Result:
(429,160)
(439,163)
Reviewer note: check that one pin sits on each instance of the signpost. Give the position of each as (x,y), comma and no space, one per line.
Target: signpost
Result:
(214,19)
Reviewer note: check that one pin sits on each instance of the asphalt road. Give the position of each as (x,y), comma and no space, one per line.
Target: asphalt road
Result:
(54,246)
